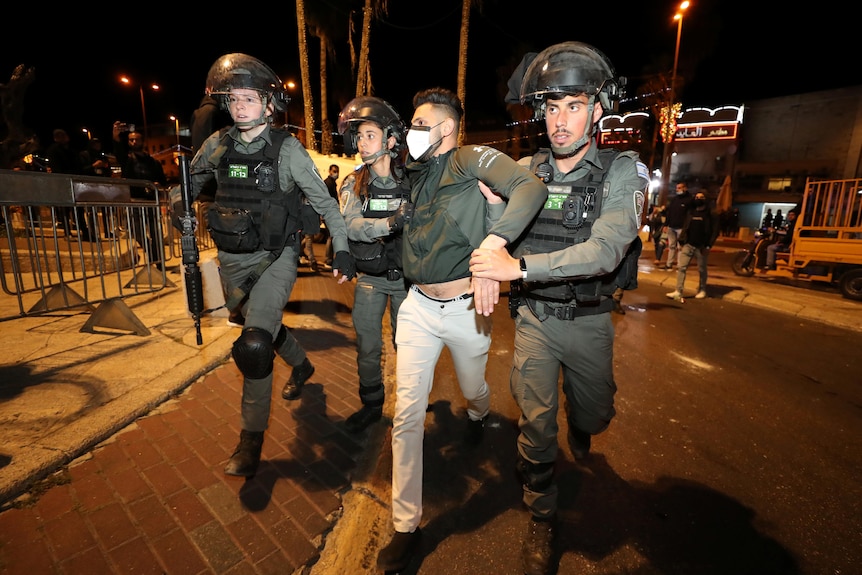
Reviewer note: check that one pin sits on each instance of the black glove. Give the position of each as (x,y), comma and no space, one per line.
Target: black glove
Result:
(402,216)
(345,263)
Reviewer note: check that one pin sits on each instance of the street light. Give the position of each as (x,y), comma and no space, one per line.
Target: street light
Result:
(177,129)
(671,109)
(156,87)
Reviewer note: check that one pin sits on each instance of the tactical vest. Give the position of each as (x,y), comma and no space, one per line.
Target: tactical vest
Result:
(250,183)
(384,254)
(567,219)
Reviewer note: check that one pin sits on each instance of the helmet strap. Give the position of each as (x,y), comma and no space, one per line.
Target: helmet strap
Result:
(373,157)
(262,119)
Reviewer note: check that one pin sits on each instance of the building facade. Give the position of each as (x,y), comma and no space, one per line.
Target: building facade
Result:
(768,147)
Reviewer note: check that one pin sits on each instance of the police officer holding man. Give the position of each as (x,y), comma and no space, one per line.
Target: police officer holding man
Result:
(568,265)
(374,199)
(256,223)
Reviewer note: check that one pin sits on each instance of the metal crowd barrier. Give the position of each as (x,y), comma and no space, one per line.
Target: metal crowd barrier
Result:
(49,264)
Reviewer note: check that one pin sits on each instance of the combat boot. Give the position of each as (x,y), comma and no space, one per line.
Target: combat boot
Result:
(298,377)
(246,456)
(537,550)
(579,443)
(367,415)
(396,556)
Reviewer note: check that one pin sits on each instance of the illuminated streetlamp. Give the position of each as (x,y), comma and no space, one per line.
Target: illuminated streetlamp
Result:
(156,87)
(671,110)
(177,129)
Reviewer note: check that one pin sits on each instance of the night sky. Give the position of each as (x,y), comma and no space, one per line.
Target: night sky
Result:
(731,52)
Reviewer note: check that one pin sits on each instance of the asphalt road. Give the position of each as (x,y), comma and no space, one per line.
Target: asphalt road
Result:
(736,449)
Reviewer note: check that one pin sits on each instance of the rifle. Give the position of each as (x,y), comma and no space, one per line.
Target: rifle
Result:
(189,245)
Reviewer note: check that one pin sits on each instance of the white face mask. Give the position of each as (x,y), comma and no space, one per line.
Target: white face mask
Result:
(419,142)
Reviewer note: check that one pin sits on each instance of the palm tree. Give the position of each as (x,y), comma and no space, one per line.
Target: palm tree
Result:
(326,21)
(310,142)
(462,62)
(373,8)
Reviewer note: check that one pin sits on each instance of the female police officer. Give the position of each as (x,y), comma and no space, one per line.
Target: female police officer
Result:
(255,221)
(373,202)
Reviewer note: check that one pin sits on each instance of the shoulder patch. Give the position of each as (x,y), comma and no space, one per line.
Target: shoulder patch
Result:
(642,170)
(639,199)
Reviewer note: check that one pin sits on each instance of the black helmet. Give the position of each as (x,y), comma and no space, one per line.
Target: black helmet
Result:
(572,68)
(242,71)
(369,109)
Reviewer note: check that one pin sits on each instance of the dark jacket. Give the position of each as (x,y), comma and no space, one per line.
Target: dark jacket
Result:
(677,209)
(700,228)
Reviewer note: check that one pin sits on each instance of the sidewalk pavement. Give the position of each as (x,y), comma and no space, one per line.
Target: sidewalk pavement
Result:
(113,444)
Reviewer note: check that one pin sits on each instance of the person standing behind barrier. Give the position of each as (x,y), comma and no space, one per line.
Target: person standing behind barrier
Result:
(582,245)
(450,220)
(94,162)
(331,182)
(698,235)
(137,164)
(374,202)
(255,222)
(675,214)
(62,159)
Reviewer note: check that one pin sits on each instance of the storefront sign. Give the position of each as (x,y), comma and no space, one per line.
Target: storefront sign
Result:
(707,131)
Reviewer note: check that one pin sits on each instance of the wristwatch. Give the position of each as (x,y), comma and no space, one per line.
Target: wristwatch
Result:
(523,269)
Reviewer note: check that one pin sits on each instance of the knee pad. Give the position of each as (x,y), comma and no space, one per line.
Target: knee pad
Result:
(253,352)
(535,476)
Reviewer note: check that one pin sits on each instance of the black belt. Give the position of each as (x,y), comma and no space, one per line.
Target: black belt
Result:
(569,312)
(463,296)
(391,275)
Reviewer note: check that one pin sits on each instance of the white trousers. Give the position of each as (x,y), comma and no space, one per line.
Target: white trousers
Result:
(425,325)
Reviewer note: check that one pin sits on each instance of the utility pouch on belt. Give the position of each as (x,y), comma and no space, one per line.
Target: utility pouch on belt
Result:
(232,229)
(516,288)
(369,256)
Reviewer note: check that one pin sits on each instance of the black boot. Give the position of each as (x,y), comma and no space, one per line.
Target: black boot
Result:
(363,418)
(246,456)
(475,431)
(537,550)
(298,377)
(579,443)
(396,556)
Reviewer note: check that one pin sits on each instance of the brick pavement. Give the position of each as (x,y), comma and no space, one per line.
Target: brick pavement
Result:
(153,498)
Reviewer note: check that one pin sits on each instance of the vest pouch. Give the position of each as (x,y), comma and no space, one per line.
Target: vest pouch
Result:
(232,229)
(369,256)
(273,226)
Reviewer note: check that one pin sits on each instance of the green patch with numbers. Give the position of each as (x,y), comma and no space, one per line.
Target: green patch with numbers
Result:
(238,171)
(555,201)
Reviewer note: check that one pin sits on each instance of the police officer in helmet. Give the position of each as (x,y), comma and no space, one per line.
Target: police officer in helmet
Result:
(255,221)
(567,267)
(375,205)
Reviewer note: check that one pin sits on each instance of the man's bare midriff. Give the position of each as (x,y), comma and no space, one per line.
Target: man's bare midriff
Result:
(446,290)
